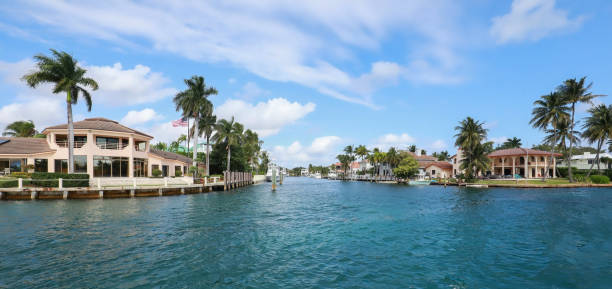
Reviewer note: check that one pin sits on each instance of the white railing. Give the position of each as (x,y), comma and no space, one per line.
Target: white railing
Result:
(112,146)
(77,144)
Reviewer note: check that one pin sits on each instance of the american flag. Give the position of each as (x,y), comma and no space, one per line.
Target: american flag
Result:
(180,122)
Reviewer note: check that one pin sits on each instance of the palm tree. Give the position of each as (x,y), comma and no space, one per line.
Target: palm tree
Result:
(597,128)
(565,135)
(20,129)
(228,132)
(392,157)
(412,148)
(470,134)
(182,139)
(443,156)
(252,146)
(350,152)
(193,101)
(264,160)
(63,70)
(362,151)
(512,143)
(576,92)
(549,110)
(206,126)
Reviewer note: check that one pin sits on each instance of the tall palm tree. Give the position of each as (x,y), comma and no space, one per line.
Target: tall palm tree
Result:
(228,132)
(565,137)
(576,92)
(597,128)
(362,151)
(350,152)
(392,157)
(252,146)
(206,125)
(20,128)
(549,110)
(469,137)
(63,70)
(192,102)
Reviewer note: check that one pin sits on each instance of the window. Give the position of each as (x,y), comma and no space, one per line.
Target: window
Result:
(80,165)
(177,169)
(79,141)
(140,146)
(107,143)
(61,166)
(590,162)
(140,168)
(110,166)
(41,165)
(433,172)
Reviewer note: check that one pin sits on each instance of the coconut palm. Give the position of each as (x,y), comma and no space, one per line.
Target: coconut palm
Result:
(362,152)
(512,143)
(469,137)
(392,157)
(597,128)
(549,110)
(469,133)
(229,133)
(20,128)
(564,135)
(192,102)
(252,146)
(63,70)
(206,126)
(576,92)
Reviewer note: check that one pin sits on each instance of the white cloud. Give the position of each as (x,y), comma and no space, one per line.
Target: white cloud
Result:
(498,140)
(164,132)
(322,151)
(532,20)
(251,90)
(438,145)
(398,141)
(282,41)
(43,112)
(138,117)
(231,80)
(120,87)
(266,118)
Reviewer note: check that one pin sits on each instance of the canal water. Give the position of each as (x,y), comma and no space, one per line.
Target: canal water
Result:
(314,234)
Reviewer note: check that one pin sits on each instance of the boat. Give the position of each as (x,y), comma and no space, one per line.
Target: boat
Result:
(479,186)
(419,183)
(271,168)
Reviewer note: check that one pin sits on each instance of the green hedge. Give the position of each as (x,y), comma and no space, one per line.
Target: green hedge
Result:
(599,179)
(8,183)
(51,180)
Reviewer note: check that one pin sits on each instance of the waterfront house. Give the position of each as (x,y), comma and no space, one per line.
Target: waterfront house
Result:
(513,163)
(585,160)
(103,148)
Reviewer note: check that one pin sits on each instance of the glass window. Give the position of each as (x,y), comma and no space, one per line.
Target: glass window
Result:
(140,167)
(41,165)
(17,164)
(61,166)
(80,164)
(110,166)
(4,164)
(107,142)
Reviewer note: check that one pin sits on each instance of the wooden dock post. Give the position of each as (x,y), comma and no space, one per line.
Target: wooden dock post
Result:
(225,181)
(273,180)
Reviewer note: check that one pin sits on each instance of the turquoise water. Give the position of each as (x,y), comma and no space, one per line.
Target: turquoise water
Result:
(314,233)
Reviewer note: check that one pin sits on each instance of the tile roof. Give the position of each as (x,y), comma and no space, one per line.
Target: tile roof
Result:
(171,156)
(442,165)
(24,145)
(519,152)
(99,123)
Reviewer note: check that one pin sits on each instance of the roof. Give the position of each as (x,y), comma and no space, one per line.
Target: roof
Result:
(171,156)
(99,123)
(442,165)
(520,152)
(23,145)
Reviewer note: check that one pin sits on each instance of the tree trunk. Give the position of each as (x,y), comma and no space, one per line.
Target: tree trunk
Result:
(195,144)
(70,135)
(599,143)
(229,156)
(207,155)
(569,166)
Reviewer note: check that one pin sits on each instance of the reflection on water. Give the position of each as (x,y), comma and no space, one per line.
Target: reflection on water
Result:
(314,233)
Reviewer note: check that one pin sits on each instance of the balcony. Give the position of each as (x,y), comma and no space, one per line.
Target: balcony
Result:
(77,144)
(111,146)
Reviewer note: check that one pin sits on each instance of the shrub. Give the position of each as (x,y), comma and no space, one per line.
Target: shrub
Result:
(599,179)
(22,175)
(8,183)
(579,178)
(156,173)
(51,180)
(178,173)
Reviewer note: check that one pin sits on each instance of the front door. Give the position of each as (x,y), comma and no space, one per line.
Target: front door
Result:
(165,171)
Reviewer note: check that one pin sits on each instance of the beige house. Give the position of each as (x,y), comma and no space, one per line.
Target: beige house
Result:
(439,169)
(515,162)
(103,148)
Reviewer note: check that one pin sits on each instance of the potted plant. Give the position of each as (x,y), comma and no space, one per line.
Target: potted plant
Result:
(30,168)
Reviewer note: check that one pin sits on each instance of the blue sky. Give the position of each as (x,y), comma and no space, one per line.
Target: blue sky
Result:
(313,77)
